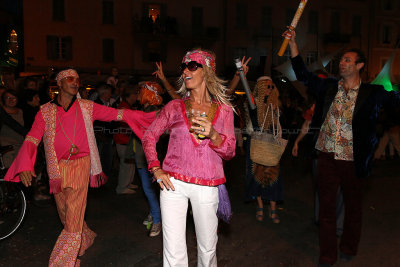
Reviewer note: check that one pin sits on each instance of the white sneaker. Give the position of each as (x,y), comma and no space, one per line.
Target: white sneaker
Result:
(155,229)
(149,219)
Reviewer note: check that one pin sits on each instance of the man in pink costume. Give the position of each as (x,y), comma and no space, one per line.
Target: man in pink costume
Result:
(66,125)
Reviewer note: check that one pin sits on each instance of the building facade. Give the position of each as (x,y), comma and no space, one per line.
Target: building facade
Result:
(94,35)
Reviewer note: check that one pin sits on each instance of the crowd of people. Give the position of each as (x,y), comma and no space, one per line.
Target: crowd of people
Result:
(182,145)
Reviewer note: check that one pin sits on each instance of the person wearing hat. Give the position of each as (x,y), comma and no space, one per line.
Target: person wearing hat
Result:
(73,163)
(263,183)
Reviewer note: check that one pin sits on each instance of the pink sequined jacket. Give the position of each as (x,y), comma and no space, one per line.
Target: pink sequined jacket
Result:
(186,159)
(74,125)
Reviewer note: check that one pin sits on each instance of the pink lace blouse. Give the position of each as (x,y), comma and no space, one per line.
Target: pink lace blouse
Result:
(26,157)
(186,160)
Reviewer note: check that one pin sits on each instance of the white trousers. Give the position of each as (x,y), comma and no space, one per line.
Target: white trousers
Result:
(174,205)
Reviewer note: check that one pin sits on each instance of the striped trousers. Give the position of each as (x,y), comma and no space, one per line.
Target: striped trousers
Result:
(76,237)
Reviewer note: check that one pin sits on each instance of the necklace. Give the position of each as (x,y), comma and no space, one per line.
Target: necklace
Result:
(73,150)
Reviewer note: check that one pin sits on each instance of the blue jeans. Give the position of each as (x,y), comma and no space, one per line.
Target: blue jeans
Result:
(151,196)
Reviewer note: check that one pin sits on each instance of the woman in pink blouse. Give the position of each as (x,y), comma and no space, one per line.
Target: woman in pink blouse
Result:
(201,137)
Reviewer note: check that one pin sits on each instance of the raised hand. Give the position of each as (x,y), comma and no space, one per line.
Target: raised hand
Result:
(159,73)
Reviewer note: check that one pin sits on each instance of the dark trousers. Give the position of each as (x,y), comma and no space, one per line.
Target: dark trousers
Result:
(339,202)
(332,174)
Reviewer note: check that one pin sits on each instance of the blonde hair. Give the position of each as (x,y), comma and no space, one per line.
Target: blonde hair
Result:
(215,86)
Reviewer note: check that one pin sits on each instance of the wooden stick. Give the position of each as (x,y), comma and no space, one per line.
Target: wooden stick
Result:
(292,26)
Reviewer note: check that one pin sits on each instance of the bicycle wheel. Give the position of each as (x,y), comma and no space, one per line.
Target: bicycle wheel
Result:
(12,208)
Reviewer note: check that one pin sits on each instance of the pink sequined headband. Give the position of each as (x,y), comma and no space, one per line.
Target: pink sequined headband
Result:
(200,57)
(66,73)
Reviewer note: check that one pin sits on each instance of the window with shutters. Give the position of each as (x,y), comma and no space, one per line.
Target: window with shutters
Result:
(59,47)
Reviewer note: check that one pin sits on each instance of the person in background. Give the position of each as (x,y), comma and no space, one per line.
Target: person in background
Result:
(83,92)
(8,135)
(391,134)
(150,100)
(201,137)
(30,107)
(113,79)
(8,80)
(118,92)
(6,119)
(240,122)
(121,139)
(265,182)
(103,130)
(31,84)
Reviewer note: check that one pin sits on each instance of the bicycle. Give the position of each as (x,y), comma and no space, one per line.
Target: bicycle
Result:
(12,201)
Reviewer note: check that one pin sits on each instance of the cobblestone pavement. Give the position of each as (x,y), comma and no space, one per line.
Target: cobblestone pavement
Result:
(122,238)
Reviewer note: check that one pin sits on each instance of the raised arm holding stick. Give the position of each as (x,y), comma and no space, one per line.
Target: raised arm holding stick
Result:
(292,26)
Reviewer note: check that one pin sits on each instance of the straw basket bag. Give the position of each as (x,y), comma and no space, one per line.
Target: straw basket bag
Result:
(265,148)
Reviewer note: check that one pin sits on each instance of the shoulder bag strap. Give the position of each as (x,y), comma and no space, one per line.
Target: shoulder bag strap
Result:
(265,117)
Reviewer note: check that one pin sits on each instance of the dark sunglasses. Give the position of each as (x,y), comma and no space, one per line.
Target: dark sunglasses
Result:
(192,66)
(270,86)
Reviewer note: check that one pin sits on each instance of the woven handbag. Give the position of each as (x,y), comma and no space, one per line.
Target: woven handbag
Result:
(266,148)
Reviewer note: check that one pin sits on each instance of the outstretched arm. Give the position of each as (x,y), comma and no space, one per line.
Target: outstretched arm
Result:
(170,89)
(137,120)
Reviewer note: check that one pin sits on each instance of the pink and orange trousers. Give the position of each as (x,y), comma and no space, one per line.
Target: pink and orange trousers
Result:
(76,237)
